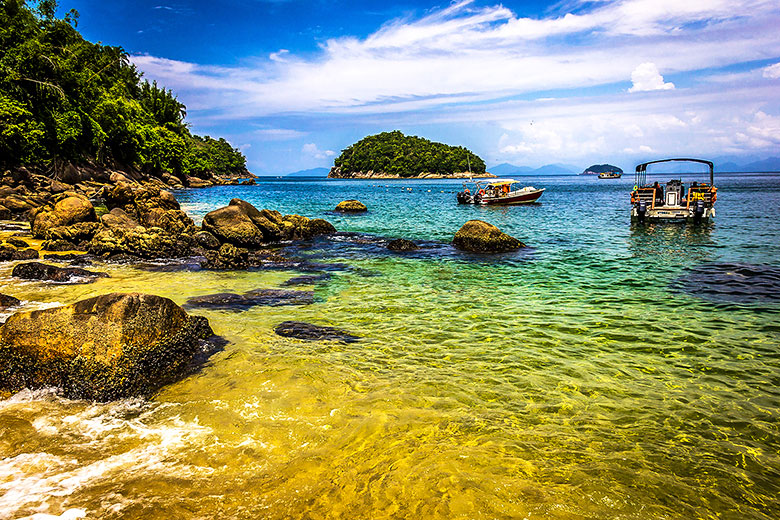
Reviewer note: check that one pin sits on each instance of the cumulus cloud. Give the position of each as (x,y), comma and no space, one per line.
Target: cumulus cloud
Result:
(772,72)
(313,150)
(646,77)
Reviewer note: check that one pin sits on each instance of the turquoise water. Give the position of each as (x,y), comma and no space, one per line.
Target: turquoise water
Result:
(606,371)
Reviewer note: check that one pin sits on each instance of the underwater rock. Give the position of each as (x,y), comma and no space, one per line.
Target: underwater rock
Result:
(307,331)
(307,279)
(8,301)
(242,302)
(401,244)
(8,253)
(732,282)
(39,271)
(478,236)
(351,206)
(18,243)
(103,348)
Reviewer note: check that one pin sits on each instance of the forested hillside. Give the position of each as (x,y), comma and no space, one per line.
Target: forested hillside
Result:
(65,99)
(394,153)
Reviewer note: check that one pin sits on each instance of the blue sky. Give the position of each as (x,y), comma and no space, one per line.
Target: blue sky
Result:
(293,82)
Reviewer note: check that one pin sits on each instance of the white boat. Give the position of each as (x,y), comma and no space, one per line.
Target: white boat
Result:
(499,192)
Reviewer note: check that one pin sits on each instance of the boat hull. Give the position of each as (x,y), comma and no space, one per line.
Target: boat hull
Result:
(513,198)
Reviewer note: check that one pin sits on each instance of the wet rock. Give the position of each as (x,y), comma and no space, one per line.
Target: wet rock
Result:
(8,301)
(142,242)
(231,224)
(480,237)
(728,282)
(351,206)
(16,204)
(307,279)
(75,233)
(58,245)
(71,209)
(118,218)
(206,240)
(242,302)
(320,227)
(18,242)
(39,271)
(401,244)
(9,253)
(309,332)
(267,222)
(76,258)
(103,348)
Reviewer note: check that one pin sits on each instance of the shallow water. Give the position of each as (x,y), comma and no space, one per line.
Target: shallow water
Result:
(592,375)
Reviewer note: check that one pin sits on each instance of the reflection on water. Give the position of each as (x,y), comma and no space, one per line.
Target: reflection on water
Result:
(571,382)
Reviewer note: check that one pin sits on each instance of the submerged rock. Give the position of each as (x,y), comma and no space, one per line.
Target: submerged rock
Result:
(39,271)
(732,282)
(8,301)
(351,206)
(8,253)
(307,331)
(18,242)
(480,237)
(103,348)
(242,302)
(307,279)
(401,244)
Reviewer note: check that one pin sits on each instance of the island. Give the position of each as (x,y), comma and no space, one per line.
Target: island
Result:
(393,155)
(601,168)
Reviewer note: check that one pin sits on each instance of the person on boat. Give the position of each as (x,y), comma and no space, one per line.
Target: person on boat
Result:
(659,194)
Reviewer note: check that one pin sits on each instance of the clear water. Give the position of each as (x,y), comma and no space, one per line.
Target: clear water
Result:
(592,375)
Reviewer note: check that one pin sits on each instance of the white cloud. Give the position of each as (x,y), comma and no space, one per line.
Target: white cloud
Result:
(280,55)
(772,72)
(278,134)
(314,151)
(646,77)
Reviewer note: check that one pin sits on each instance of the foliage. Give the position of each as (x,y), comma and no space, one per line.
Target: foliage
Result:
(66,98)
(407,156)
(603,168)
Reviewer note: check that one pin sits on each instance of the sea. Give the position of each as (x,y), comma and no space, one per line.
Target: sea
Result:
(608,370)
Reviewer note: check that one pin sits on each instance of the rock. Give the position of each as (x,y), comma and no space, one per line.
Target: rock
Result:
(76,233)
(206,240)
(8,253)
(5,213)
(480,237)
(267,222)
(401,244)
(351,206)
(118,218)
(232,224)
(103,348)
(69,210)
(59,245)
(59,187)
(17,242)
(140,241)
(242,302)
(307,279)
(194,182)
(319,227)
(39,271)
(16,204)
(8,301)
(309,332)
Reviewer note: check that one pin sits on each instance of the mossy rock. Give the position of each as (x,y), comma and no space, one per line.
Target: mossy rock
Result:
(351,206)
(478,236)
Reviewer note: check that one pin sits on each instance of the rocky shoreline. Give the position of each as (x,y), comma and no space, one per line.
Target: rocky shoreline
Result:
(336,173)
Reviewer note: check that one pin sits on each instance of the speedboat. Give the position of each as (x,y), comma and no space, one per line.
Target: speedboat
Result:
(610,175)
(498,192)
(672,201)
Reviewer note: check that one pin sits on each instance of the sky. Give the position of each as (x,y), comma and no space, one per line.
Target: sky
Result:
(293,82)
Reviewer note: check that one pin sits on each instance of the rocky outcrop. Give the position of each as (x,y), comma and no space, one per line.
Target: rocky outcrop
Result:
(103,348)
(309,332)
(39,271)
(402,244)
(350,206)
(480,237)
(70,208)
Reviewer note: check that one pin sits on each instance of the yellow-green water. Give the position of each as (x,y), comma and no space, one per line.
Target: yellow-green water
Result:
(567,382)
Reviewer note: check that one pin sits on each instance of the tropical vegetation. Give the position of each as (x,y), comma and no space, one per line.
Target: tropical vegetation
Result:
(602,168)
(65,98)
(406,156)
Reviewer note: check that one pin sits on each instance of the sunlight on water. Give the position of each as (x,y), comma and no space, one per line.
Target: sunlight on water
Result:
(575,380)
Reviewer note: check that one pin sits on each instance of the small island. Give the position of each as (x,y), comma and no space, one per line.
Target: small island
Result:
(601,168)
(393,155)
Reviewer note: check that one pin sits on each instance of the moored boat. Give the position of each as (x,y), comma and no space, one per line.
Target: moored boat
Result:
(610,175)
(499,192)
(671,201)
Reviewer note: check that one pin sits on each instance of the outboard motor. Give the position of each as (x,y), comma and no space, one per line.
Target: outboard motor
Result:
(464,197)
(641,210)
(698,211)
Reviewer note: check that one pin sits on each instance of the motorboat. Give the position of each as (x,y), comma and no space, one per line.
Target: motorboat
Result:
(675,200)
(498,192)
(610,175)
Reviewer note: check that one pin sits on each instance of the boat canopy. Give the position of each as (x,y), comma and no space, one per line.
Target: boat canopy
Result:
(641,169)
(501,182)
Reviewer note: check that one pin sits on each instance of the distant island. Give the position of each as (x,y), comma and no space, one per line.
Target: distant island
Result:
(311,172)
(393,155)
(601,168)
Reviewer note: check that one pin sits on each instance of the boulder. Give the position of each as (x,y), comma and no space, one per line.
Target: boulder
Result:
(401,244)
(5,213)
(143,242)
(71,209)
(206,240)
(242,302)
(39,271)
(267,222)
(59,245)
(118,218)
(16,204)
(76,233)
(8,301)
(17,242)
(8,253)
(480,237)
(227,256)
(232,224)
(351,206)
(309,332)
(102,348)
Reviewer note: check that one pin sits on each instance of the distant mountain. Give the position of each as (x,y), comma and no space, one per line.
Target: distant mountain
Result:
(767,165)
(735,164)
(506,169)
(728,167)
(311,172)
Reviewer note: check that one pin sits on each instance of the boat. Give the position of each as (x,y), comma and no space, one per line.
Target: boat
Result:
(610,175)
(672,201)
(498,192)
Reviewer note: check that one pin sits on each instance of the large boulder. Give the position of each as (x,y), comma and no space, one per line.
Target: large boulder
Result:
(143,242)
(9,252)
(480,237)
(232,224)
(70,209)
(52,273)
(8,301)
(351,206)
(103,348)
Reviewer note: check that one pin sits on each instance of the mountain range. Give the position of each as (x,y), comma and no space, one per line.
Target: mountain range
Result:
(311,172)
(506,169)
